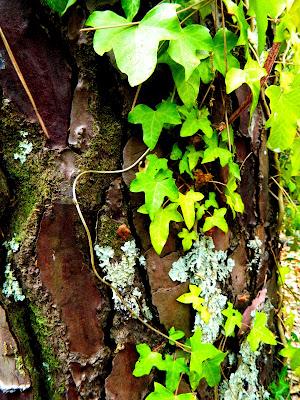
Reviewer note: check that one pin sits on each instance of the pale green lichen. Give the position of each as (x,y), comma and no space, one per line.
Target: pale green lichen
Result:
(206,268)
(121,275)
(25,148)
(244,384)
(11,287)
(256,246)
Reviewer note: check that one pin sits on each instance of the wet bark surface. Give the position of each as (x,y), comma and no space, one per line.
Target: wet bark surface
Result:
(67,336)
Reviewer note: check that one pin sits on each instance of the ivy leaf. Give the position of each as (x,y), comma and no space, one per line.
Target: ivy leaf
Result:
(233,198)
(131,8)
(259,333)
(159,227)
(161,393)
(60,6)
(293,355)
(174,367)
(193,298)
(187,238)
(193,44)
(153,121)
(205,361)
(187,204)
(196,120)
(282,272)
(212,153)
(238,12)
(251,74)
(175,335)
(104,38)
(200,211)
(136,47)
(290,22)
(219,54)
(261,9)
(217,219)
(283,102)
(176,153)
(211,202)
(156,182)
(234,318)
(147,360)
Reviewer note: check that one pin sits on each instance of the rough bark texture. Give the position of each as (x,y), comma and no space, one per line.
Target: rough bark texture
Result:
(67,337)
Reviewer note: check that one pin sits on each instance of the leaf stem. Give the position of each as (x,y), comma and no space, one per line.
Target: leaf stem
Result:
(96,28)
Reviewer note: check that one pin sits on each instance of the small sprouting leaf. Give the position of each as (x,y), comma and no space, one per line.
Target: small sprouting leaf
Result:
(161,393)
(193,298)
(147,360)
(175,335)
(234,318)
(193,156)
(251,74)
(283,102)
(187,238)
(156,182)
(187,204)
(131,8)
(293,355)
(159,227)
(219,55)
(259,333)
(60,6)
(205,361)
(238,12)
(211,202)
(196,120)
(135,47)
(217,219)
(176,153)
(233,198)
(200,211)
(153,121)
(193,44)
(282,272)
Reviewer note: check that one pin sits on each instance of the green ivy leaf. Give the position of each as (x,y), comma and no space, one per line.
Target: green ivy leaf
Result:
(161,393)
(159,227)
(218,51)
(187,238)
(234,318)
(135,47)
(261,9)
(131,8)
(176,153)
(60,6)
(205,361)
(193,298)
(189,160)
(211,202)
(259,333)
(196,120)
(282,272)
(193,44)
(238,12)
(293,355)
(233,198)
(156,182)
(174,368)
(283,102)
(187,204)
(200,211)
(212,153)
(290,22)
(217,219)
(147,360)
(251,74)
(153,121)
(175,335)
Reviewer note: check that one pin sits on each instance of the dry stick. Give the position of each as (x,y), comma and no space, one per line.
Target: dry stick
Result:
(23,82)
(91,250)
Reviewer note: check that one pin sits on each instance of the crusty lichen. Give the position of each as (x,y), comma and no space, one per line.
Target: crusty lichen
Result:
(121,275)
(206,268)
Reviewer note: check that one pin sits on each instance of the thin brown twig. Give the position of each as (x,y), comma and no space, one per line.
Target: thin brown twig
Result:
(23,82)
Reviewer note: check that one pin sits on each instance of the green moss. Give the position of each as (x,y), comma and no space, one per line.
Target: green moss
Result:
(51,364)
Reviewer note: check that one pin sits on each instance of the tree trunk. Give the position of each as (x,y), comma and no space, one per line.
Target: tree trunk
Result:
(65,340)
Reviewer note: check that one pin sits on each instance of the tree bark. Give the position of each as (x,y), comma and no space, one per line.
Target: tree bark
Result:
(66,334)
